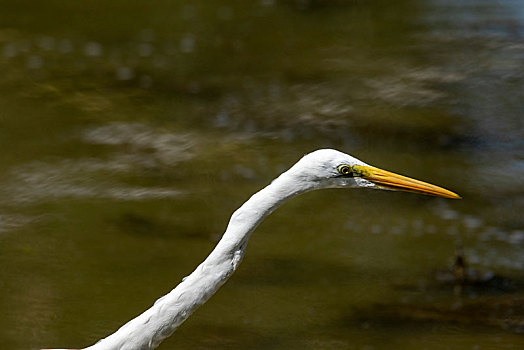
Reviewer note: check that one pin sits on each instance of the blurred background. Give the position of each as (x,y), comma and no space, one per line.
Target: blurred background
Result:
(131,130)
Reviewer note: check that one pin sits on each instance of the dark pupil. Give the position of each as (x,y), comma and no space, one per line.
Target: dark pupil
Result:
(345,170)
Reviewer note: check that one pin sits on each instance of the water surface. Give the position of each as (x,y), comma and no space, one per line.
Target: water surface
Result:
(130,131)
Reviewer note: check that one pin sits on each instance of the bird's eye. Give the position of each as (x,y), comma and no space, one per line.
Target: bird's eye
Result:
(344,170)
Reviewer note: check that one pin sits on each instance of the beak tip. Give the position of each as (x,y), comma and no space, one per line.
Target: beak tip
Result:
(446,194)
(452,195)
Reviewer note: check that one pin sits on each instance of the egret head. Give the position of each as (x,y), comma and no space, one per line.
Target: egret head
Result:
(328,168)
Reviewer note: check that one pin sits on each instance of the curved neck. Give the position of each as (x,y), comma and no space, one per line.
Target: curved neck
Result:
(147,330)
(246,218)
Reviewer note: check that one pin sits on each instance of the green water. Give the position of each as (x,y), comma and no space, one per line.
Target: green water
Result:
(130,131)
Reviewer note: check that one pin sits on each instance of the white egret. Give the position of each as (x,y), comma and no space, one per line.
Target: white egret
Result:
(325,168)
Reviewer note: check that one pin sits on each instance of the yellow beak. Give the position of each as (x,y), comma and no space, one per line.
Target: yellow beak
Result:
(389,180)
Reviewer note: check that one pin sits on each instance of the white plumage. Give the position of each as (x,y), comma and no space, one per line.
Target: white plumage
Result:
(320,169)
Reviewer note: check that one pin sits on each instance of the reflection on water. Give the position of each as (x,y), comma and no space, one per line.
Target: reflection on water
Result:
(145,148)
(130,132)
(162,146)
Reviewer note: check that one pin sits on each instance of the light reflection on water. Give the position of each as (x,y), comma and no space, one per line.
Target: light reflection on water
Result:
(144,148)
(126,144)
